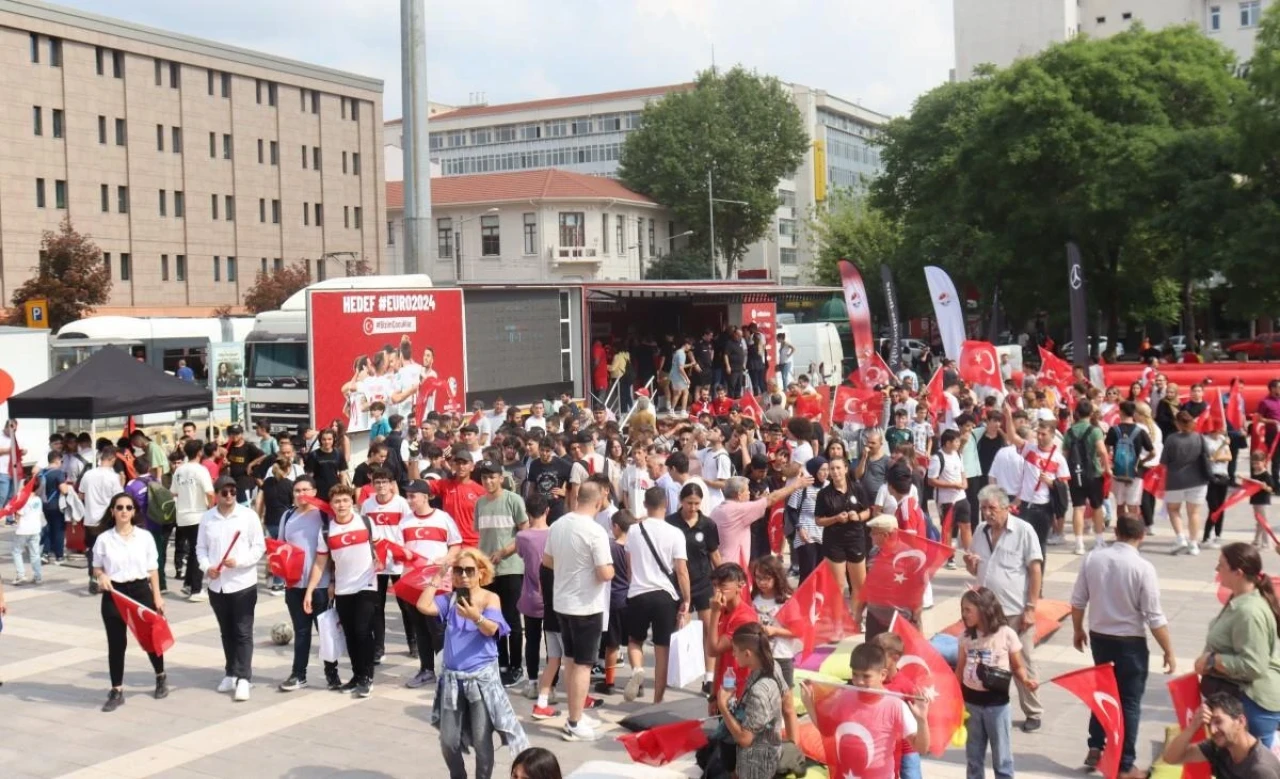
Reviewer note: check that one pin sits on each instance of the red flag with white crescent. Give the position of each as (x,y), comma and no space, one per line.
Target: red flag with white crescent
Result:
(864,405)
(285,560)
(1096,686)
(1214,416)
(661,744)
(1054,370)
(21,498)
(1184,692)
(858,736)
(775,528)
(902,570)
(750,408)
(1235,405)
(1153,480)
(937,395)
(980,364)
(933,678)
(1248,488)
(148,626)
(816,613)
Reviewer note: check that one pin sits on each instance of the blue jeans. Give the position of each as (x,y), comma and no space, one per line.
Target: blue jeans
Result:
(53,537)
(1131,662)
(6,490)
(992,724)
(909,766)
(31,546)
(1262,723)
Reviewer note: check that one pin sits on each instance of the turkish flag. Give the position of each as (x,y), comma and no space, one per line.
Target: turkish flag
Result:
(862,405)
(1153,481)
(910,517)
(661,744)
(148,626)
(398,553)
(1266,526)
(776,536)
(1214,416)
(816,613)
(860,730)
(285,560)
(1235,406)
(750,408)
(21,498)
(1112,417)
(936,393)
(1248,488)
(1184,691)
(1054,370)
(980,364)
(320,505)
(1096,686)
(415,579)
(874,370)
(931,677)
(902,570)
(822,407)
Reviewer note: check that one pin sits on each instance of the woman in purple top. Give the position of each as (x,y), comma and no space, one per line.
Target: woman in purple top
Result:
(530,544)
(1269,411)
(470,702)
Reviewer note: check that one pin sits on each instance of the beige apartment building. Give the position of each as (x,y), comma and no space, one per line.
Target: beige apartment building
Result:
(192,164)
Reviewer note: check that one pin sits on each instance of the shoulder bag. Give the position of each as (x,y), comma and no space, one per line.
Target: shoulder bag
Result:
(675,583)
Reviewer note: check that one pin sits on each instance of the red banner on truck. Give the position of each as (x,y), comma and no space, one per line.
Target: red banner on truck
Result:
(404,348)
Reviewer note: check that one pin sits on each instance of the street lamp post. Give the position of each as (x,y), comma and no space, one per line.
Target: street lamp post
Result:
(457,242)
(711,215)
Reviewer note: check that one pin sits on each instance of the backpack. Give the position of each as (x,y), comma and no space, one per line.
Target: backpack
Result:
(325,521)
(1080,458)
(162,509)
(1125,460)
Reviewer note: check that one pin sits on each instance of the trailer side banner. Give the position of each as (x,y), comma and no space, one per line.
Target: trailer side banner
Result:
(403,347)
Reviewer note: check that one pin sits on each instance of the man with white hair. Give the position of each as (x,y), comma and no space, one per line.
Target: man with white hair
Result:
(734,516)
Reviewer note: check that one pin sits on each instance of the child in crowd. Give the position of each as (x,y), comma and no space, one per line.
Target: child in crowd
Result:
(26,539)
(1258,471)
(753,722)
(379,426)
(906,753)
(770,590)
(989,657)
(530,544)
(615,635)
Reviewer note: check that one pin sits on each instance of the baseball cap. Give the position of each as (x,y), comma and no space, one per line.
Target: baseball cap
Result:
(460,454)
(883,522)
(419,486)
(468,429)
(235,430)
(224,481)
(488,466)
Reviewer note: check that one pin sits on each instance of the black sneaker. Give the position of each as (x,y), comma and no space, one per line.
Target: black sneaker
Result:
(94,589)
(706,688)
(377,657)
(333,681)
(365,688)
(350,686)
(413,651)
(514,678)
(1031,725)
(597,671)
(162,686)
(601,688)
(294,683)
(115,699)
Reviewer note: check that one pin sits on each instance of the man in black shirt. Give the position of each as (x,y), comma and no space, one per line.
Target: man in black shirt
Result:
(376,459)
(549,476)
(1230,750)
(735,363)
(242,458)
(704,354)
(326,465)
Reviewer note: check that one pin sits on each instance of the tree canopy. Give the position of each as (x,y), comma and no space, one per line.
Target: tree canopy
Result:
(70,275)
(737,126)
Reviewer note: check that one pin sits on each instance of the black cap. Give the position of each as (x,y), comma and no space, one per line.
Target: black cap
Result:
(488,466)
(759,463)
(224,481)
(461,454)
(235,430)
(419,486)
(468,429)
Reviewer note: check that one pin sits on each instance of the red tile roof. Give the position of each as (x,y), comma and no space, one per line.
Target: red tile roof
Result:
(519,185)
(556,102)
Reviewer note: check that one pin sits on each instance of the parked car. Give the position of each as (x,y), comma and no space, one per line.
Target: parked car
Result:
(1265,346)
(1067,348)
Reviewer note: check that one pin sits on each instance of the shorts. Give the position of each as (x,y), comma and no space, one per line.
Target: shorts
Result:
(1127,493)
(960,514)
(847,546)
(581,636)
(1189,495)
(701,598)
(616,634)
(655,610)
(1090,492)
(555,645)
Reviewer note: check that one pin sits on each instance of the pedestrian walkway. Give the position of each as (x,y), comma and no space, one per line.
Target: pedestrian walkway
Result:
(53,665)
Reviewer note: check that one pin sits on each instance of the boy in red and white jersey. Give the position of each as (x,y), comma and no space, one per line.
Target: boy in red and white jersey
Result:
(429,533)
(386,510)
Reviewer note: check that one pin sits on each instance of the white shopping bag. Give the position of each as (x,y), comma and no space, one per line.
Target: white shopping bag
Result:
(333,644)
(687,661)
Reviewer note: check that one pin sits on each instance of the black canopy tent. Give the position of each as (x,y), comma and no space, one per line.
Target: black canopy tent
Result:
(110,383)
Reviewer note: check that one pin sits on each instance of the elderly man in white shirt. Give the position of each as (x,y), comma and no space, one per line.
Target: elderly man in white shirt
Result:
(229,545)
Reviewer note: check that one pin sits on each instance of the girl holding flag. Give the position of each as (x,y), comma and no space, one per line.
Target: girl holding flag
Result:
(126,561)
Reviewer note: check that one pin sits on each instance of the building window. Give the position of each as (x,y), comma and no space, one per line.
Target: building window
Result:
(257,92)
(319,215)
(275,212)
(444,238)
(55,52)
(126,267)
(176,145)
(343,101)
(271,93)
(262,210)
(391,233)
(1249,13)
(122,200)
(261,155)
(213,206)
(490,245)
(117,64)
(226,146)
(211,76)
(102,129)
(263,270)
(159,71)
(344,162)
(217,268)
(59,193)
(346,217)
(106,199)
(581,126)
(106,260)
(180,267)
(359,214)
(40,193)
(787,227)
(315,101)
(621,236)
(355,110)
(306,214)
(531,234)
(604,233)
(653,239)
(639,236)
(213,145)
(320,275)
(164,267)
(304,156)
(226,92)
(122,135)
(35,48)
(230,203)
(572,229)
(787,256)
(179,204)
(175,75)
(231,269)
(315,157)
(37,120)
(159,137)
(355,163)
(164,203)
(277,264)
(274,150)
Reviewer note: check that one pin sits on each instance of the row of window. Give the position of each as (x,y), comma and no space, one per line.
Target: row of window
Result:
(219,82)
(556,128)
(527,160)
(572,234)
(223,268)
(1250,15)
(37,120)
(848,124)
(856,151)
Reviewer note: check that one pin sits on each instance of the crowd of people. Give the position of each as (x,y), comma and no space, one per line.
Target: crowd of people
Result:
(565,542)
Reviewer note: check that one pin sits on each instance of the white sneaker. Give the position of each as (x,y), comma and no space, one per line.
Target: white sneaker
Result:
(1079,546)
(198,597)
(1055,539)
(227,684)
(1179,546)
(242,691)
(1215,543)
(633,685)
(581,732)
(1194,549)
(531,690)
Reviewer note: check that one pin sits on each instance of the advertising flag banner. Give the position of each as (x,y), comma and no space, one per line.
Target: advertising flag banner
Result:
(948,309)
(1079,308)
(404,348)
(859,307)
(895,322)
(226,374)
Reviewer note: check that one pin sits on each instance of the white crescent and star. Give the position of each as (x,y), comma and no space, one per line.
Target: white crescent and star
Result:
(912,554)
(1104,700)
(819,602)
(858,731)
(990,362)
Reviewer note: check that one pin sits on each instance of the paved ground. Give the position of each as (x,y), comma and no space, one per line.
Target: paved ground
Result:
(53,664)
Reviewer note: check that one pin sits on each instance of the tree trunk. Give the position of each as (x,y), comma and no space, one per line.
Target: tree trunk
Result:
(1188,314)
(1113,300)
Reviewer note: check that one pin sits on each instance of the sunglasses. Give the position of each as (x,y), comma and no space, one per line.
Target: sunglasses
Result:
(459,570)
(123,507)
(227,491)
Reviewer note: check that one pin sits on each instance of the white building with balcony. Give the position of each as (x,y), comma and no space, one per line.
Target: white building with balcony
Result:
(1001,31)
(532,226)
(584,134)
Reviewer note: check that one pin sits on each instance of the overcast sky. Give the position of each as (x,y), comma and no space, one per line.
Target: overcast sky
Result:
(880,54)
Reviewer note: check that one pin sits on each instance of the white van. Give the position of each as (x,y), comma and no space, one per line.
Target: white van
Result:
(819,352)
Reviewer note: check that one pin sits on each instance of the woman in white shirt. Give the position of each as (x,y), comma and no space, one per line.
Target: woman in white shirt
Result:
(125,560)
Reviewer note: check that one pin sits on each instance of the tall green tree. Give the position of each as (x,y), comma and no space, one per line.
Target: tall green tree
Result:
(850,228)
(70,275)
(737,129)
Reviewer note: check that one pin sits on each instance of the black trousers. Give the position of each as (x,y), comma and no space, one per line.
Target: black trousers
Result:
(161,537)
(532,646)
(234,611)
(91,533)
(428,633)
(303,624)
(117,631)
(1040,517)
(356,614)
(184,549)
(1131,660)
(510,646)
(385,580)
